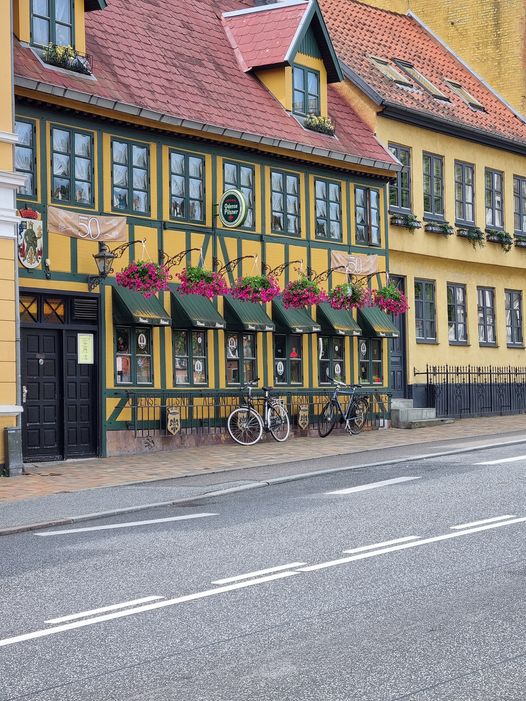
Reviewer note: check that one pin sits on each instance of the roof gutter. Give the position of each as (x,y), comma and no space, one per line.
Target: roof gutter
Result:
(201,127)
(444,126)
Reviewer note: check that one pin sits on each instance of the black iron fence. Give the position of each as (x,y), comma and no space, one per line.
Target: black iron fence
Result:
(204,414)
(474,390)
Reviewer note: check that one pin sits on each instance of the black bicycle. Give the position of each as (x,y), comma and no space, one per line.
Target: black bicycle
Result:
(355,416)
(246,425)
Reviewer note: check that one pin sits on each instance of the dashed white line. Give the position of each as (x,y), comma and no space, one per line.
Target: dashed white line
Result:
(480,523)
(381,545)
(113,607)
(129,524)
(374,485)
(141,609)
(404,546)
(502,460)
(258,573)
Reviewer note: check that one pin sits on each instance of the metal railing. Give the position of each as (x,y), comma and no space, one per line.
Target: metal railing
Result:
(205,414)
(475,390)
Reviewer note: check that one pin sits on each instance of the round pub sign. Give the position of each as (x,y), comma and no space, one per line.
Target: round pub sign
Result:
(232,209)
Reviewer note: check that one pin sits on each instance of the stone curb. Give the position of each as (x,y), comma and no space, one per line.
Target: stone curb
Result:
(241,488)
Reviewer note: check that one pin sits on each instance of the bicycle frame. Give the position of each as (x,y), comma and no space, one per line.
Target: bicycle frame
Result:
(346,416)
(268,402)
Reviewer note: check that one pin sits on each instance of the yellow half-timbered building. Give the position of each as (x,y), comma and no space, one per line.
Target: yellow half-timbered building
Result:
(127,140)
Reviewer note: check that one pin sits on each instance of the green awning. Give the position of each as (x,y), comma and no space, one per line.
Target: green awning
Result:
(194,311)
(133,308)
(293,320)
(338,321)
(247,316)
(375,322)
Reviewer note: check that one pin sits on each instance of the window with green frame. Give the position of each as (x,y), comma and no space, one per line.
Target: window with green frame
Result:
(52,22)
(285,203)
(25,157)
(433,186)
(370,361)
(400,189)
(328,209)
(331,359)
(130,176)
(241,177)
(133,355)
(190,360)
(72,166)
(306,91)
(241,366)
(187,186)
(367,213)
(288,360)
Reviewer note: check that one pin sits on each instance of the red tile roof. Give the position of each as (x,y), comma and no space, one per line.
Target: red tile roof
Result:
(263,37)
(173,57)
(358,31)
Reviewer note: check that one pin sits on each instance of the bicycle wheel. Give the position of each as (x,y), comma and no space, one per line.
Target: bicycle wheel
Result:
(359,415)
(278,422)
(245,426)
(327,419)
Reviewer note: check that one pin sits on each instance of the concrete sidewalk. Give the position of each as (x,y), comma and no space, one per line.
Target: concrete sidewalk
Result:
(73,491)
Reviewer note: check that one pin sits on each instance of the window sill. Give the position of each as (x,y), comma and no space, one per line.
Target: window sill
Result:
(517,346)
(460,343)
(439,218)
(488,345)
(429,342)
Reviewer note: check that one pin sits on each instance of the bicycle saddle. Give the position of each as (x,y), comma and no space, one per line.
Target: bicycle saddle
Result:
(267,389)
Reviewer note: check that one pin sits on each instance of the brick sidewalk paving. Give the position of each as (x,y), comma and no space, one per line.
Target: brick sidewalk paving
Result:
(73,476)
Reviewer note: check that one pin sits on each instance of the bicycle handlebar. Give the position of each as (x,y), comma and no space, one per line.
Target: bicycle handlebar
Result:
(252,383)
(341,384)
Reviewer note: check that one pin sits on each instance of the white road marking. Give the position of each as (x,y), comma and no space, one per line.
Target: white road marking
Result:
(381,545)
(113,607)
(129,524)
(141,609)
(501,460)
(258,573)
(486,520)
(373,485)
(404,546)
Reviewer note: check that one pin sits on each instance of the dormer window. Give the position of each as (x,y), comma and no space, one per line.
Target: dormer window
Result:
(420,79)
(390,71)
(52,22)
(306,84)
(465,95)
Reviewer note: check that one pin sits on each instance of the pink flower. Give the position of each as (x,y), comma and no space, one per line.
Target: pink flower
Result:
(147,278)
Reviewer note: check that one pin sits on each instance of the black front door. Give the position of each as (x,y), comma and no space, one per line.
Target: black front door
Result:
(80,405)
(42,434)
(397,348)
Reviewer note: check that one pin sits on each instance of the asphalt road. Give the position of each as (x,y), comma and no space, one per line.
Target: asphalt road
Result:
(428,605)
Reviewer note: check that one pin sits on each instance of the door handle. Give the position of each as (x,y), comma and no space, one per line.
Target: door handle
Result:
(24,394)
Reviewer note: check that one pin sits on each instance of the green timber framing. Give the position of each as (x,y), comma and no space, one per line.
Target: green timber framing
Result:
(118,413)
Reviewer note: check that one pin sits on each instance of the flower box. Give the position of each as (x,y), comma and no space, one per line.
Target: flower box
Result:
(443,228)
(500,237)
(323,125)
(302,293)
(256,288)
(66,57)
(520,242)
(349,295)
(199,281)
(408,221)
(145,277)
(473,234)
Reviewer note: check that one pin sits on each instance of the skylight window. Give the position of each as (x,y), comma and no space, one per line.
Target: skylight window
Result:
(420,79)
(390,71)
(464,95)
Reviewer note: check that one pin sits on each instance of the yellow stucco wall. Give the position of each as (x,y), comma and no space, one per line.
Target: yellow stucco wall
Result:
(452,259)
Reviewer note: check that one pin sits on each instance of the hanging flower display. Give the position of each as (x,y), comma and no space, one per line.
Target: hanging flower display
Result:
(302,293)
(256,288)
(349,295)
(145,277)
(198,281)
(390,299)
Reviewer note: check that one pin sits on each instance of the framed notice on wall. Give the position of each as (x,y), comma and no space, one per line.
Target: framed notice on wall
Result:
(85,349)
